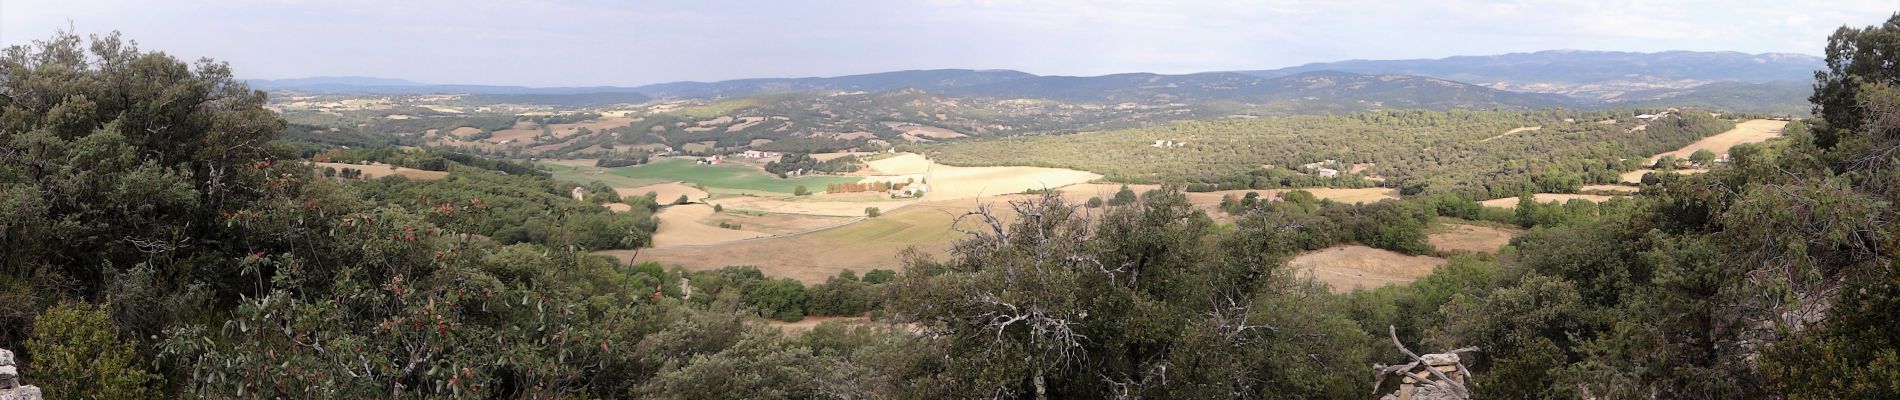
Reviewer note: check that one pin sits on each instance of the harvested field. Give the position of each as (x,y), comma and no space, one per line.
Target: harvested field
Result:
(807,207)
(855,135)
(1751,131)
(739,177)
(722,120)
(664,193)
(465,131)
(746,122)
(1637,175)
(932,132)
(947,182)
(1511,202)
(901,164)
(1455,237)
(777,224)
(1612,188)
(382,170)
(679,226)
(697,146)
(597,125)
(812,257)
(1351,267)
(838,155)
(573,171)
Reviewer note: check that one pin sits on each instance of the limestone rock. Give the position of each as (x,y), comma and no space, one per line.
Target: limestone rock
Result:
(22,393)
(1439,358)
(6,357)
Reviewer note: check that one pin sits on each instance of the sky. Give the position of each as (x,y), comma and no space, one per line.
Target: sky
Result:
(625,43)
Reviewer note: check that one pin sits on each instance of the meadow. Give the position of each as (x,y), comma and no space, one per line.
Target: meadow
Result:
(713,177)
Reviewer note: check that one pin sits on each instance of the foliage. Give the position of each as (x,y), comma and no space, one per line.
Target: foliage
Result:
(803,164)
(77,353)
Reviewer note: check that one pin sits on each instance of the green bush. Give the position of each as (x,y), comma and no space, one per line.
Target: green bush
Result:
(76,353)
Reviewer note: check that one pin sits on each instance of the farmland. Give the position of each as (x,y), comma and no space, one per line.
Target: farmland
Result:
(713,177)
(1432,151)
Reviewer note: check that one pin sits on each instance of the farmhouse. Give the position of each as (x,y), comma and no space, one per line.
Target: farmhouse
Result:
(911,190)
(759,154)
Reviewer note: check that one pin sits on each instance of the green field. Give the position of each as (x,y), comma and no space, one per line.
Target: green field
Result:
(579,175)
(717,176)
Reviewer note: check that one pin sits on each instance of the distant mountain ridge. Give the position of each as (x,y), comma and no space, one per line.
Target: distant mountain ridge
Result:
(1769,82)
(1600,75)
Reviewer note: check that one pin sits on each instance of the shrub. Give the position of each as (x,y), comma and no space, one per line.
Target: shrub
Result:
(871,212)
(77,354)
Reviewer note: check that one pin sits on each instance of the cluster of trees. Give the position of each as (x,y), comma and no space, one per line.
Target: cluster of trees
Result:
(795,162)
(785,299)
(1420,151)
(520,209)
(427,159)
(623,160)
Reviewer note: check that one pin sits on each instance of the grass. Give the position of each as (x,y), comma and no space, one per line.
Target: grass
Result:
(575,174)
(722,176)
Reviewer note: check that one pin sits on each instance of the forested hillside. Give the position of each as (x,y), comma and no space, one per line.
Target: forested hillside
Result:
(159,240)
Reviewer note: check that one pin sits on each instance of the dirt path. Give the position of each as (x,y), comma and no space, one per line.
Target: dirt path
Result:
(1513,131)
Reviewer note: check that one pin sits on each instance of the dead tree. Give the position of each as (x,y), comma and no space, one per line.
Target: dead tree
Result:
(1446,380)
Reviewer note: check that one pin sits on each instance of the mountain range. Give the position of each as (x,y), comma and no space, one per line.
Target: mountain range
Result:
(1770,82)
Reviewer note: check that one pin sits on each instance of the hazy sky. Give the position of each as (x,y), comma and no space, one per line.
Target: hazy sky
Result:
(586,42)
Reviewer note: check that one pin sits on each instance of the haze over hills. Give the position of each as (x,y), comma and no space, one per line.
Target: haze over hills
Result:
(1562,78)
(1601,75)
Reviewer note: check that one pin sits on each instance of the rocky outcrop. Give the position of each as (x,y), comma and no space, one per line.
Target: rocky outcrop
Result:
(10,388)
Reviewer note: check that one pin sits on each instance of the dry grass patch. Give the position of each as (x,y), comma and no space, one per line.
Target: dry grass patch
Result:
(680,226)
(860,246)
(1637,175)
(1453,237)
(1351,267)
(1511,202)
(1612,188)
(902,164)
(382,170)
(852,207)
(838,155)
(1751,131)
(664,193)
